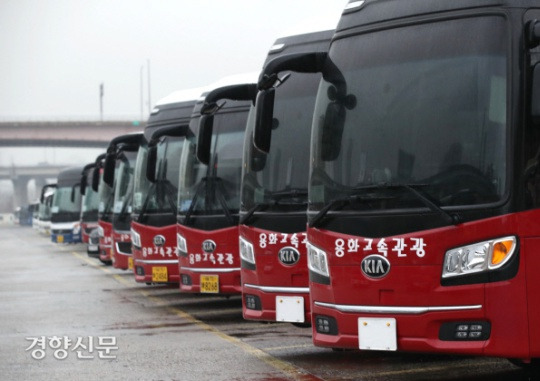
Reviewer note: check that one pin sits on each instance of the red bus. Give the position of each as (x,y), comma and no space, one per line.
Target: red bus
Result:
(153,227)
(423,182)
(126,155)
(209,191)
(275,280)
(106,198)
(118,170)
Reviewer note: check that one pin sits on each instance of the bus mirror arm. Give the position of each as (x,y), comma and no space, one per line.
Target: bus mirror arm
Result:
(312,62)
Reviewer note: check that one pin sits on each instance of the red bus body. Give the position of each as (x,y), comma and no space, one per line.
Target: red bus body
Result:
(121,247)
(105,241)
(206,270)
(276,286)
(155,260)
(208,204)
(153,226)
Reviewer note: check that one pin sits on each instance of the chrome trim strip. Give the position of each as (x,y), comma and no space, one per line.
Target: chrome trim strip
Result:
(283,290)
(210,270)
(156,261)
(395,310)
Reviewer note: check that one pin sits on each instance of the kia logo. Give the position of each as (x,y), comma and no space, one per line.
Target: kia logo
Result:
(209,246)
(375,266)
(159,240)
(288,256)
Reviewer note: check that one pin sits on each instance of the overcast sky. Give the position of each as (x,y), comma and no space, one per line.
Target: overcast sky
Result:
(55,53)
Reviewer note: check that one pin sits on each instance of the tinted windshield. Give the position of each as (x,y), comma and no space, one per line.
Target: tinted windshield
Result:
(411,106)
(106,198)
(161,196)
(212,189)
(90,200)
(279,179)
(123,182)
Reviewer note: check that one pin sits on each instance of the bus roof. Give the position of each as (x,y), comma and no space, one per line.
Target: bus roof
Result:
(364,12)
(69,176)
(300,43)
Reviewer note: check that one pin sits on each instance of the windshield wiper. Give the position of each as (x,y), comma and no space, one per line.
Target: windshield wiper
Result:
(340,203)
(453,219)
(255,208)
(289,193)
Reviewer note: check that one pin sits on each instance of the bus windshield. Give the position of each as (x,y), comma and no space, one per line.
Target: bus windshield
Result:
(213,189)
(161,196)
(66,200)
(409,114)
(106,198)
(278,180)
(124,182)
(90,200)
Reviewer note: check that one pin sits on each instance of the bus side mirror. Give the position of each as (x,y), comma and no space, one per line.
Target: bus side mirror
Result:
(332,131)
(151,164)
(95,179)
(204,140)
(533,33)
(264,119)
(84,184)
(535,95)
(108,169)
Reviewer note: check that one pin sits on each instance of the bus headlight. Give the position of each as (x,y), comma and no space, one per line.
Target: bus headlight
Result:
(135,239)
(246,251)
(317,260)
(181,245)
(478,257)
(76,228)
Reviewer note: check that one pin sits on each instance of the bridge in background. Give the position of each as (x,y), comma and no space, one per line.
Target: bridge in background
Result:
(64,134)
(75,134)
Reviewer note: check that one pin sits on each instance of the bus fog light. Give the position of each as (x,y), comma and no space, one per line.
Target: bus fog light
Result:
(253,302)
(186,280)
(326,325)
(465,331)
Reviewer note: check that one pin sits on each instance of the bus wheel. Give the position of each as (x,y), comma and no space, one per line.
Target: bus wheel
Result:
(533,365)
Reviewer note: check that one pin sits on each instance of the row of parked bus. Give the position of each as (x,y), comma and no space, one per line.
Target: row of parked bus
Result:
(378,181)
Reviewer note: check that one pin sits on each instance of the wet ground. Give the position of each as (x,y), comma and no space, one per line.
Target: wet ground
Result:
(90,321)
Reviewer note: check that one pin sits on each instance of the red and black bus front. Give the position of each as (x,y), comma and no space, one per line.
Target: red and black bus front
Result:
(275,282)
(208,203)
(423,232)
(153,226)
